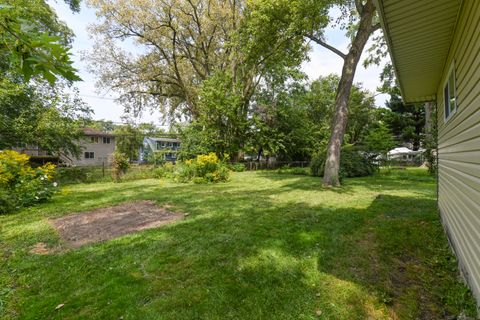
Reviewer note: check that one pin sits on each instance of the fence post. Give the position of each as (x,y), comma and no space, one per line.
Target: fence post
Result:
(103,168)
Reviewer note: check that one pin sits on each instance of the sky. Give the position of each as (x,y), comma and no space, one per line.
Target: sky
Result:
(322,62)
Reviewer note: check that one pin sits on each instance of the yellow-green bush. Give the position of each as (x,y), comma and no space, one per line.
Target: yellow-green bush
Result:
(204,168)
(20,184)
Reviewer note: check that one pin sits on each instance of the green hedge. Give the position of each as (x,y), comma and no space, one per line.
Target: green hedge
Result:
(353,163)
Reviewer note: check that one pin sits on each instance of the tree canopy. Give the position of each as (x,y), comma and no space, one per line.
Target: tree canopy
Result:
(33,42)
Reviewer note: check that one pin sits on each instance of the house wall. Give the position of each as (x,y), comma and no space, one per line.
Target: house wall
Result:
(459,146)
(102,152)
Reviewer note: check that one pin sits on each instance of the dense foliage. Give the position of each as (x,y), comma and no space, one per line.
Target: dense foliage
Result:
(20,184)
(34,42)
(204,168)
(354,163)
(120,165)
(407,121)
(289,118)
(34,55)
(38,115)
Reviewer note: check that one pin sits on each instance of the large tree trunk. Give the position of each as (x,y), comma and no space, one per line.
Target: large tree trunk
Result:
(332,164)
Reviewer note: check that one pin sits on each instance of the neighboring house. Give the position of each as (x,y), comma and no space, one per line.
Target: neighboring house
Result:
(97,149)
(435,49)
(167,148)
(406,155)
(36,154)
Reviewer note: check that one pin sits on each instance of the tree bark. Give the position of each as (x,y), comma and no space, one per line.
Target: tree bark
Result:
(365,29)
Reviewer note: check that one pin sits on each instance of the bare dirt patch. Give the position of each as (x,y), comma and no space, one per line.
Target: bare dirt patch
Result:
(108,223)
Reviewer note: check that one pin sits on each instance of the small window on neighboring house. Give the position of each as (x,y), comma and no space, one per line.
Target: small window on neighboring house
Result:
(94,139)
(106,140)
(450,94)
(89,155)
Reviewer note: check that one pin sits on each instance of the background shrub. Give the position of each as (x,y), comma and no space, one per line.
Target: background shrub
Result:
(294,170)
(236,167)
(120,165)
(20,184)
(204,168)
(353,163)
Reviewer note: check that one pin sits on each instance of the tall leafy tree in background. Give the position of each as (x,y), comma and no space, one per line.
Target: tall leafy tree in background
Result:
(407,121)
(186,45)
(181,44)
(296,116)
(128,140)
(362,25)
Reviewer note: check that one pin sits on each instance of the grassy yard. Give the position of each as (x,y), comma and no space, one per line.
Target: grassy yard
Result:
(262,246)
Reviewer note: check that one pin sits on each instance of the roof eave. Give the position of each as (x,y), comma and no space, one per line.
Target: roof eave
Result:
(379,5)
(386,32)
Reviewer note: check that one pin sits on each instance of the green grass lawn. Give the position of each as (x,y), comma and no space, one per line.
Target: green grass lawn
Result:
(262,246)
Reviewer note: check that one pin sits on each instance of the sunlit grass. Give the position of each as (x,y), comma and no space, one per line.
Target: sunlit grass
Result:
(262,246)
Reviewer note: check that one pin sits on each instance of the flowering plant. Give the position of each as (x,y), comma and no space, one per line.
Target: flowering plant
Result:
(204,168)
(20,184)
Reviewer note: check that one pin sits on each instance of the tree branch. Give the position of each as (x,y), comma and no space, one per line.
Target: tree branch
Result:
(375,27)
(326,45)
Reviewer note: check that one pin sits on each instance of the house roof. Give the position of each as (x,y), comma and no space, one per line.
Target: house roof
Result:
(163,139)
(403,150)
(418,35)
(96,133)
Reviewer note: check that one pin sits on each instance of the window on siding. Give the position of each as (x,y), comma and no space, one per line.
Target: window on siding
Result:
(450,94)
(94,139)
(89,155)
(106,140)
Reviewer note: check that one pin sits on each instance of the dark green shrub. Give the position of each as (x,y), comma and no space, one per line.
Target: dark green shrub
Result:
(7,203)
(353,163)
(120,165)
(164,171)
(74,174)
(236,167)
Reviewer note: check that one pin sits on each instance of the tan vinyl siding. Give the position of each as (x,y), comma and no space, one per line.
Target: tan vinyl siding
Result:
(459,145)
(102,152)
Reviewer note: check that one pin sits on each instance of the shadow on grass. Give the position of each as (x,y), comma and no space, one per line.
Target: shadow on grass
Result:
(242,255)
(395,180)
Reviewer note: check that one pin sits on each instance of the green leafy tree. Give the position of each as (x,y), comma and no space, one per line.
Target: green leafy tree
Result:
(307,20)
(43,116)
(407,121)
(129,139)
(295,117)
(102,125)
(379,140)
(33,42)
